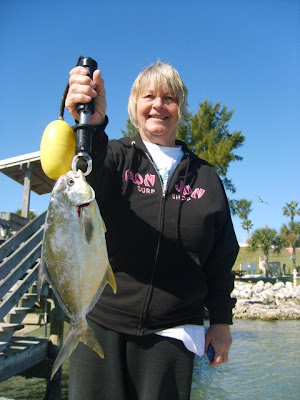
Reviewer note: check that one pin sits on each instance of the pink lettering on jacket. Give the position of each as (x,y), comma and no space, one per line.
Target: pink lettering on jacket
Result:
(138,179)
(143,183)
(198,193)
(187,192)
(179,187)
(149,180)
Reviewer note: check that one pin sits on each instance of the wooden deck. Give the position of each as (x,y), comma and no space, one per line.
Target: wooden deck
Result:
(20,351)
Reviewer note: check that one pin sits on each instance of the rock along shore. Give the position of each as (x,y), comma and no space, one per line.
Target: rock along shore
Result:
(266,301)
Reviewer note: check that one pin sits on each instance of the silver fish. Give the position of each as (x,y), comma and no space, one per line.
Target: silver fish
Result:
(74,258)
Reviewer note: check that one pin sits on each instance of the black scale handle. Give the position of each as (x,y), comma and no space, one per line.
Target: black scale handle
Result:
(84,130)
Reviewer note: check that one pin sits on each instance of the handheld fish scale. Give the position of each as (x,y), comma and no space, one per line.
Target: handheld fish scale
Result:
(83,130)
(64,148)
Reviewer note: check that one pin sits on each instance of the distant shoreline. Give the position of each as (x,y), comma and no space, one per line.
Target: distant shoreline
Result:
(266,301)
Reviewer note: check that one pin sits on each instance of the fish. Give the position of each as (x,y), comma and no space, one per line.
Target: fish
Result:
(74,258)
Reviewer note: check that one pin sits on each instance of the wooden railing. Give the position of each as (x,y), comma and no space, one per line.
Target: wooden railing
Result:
(20,355)
(19,259)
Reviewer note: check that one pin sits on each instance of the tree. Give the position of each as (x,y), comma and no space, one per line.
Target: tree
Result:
(290,234)
(131,130)
(32,214)
(247,226)
(291,210)
(207,134)
(242,208)
(265,239)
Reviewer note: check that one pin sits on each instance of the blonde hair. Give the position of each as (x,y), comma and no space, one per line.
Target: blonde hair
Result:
(162,73)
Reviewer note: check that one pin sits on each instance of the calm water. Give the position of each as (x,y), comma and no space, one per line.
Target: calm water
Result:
(264,365)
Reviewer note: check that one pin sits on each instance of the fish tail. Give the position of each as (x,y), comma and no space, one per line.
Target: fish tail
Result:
(80,332)
(69,346)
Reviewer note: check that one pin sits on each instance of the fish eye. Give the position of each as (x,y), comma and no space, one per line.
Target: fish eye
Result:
(71,182)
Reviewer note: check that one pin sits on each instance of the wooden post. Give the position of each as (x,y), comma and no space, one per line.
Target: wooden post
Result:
(26,193)
(55,343)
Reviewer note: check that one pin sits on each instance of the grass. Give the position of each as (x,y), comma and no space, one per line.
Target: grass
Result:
(247,256)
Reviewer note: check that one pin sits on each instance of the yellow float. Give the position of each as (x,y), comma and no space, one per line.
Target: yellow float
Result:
(57,149)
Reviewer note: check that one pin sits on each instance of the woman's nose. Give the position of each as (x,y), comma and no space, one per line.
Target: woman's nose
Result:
(158,102)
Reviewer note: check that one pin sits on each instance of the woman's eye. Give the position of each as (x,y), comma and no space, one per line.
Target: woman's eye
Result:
(169,99)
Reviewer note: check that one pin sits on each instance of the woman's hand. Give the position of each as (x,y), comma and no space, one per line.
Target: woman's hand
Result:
(219,336)
(82,89)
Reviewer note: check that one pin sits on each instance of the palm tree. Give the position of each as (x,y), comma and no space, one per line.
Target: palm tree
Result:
(291,235)
(242,208)
(247,226)
(265,239)
(291,210)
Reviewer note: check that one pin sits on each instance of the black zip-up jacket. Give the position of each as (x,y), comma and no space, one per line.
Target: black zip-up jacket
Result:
(171,253)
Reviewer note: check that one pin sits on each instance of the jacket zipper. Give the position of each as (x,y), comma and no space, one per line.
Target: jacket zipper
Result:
(151,284)
(162,212)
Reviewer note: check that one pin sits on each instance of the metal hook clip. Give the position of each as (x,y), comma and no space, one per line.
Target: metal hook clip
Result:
(85,157)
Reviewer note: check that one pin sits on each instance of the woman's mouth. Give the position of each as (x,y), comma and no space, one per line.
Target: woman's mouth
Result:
(159,118)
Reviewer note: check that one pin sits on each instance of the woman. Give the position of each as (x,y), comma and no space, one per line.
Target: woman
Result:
(171,245)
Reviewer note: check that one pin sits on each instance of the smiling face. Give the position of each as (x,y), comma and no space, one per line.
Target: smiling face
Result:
(157,114)
(157,102)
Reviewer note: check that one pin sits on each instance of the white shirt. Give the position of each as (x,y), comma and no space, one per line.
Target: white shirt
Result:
(165,160)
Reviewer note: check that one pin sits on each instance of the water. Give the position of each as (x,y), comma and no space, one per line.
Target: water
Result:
(264,364)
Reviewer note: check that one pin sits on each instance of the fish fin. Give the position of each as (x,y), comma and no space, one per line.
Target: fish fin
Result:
(80,332)
(111,278)
(42,277)
(92,342)
(104,227)
(87,225)
(67,349)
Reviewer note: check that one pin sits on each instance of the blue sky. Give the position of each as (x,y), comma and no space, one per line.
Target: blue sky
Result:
(245,54)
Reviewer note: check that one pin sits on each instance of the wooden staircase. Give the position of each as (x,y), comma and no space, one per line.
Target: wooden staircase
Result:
(20,354)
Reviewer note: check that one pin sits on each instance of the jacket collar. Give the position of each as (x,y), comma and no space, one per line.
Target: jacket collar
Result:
(139,144)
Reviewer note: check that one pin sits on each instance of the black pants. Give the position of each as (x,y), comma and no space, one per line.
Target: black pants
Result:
(147,367)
